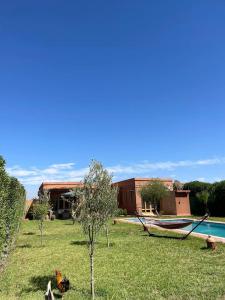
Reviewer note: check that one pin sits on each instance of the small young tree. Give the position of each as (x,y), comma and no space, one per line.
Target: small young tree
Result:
(153,192)
(204,197)
(74,198)
(40,211)
(99,202)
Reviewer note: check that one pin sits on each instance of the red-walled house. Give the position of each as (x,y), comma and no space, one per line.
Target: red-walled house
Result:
(129,198)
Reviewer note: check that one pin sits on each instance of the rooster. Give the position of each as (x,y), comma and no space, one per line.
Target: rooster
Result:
(63,284)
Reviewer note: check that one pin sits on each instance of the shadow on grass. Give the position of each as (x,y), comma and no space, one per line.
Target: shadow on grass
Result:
(79,243)
(28,233)
(25,246)
(205,248)
(39,283)
(164,236)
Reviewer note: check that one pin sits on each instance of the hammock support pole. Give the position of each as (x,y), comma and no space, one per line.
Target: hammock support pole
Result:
(200,222)
(182,238)
(143,224)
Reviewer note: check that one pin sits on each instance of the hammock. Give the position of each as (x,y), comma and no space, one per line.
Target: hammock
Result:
(171,225)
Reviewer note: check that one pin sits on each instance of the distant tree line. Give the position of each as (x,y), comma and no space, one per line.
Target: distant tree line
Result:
(12,202)
(207,197)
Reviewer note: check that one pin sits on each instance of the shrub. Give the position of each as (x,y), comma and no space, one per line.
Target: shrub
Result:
(121,212)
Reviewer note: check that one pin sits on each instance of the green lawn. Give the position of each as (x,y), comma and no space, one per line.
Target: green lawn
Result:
(134,267)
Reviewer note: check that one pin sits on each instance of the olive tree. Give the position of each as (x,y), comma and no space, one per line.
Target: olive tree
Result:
(153,192)
(74,198)
(98,204)
(40,211)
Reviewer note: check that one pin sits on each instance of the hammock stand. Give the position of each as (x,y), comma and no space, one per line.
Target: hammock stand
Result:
(172,225)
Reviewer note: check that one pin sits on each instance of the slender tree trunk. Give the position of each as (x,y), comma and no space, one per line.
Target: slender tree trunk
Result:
(156,209)
(107,235)
(41,231)
(91,254)
(92,275)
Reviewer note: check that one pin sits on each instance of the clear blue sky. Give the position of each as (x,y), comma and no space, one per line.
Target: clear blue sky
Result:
(138,85)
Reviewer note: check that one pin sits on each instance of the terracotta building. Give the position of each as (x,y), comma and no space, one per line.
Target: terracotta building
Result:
(129,198)
(60,207)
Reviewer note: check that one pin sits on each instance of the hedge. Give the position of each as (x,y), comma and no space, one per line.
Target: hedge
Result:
(216,202)
(12,203)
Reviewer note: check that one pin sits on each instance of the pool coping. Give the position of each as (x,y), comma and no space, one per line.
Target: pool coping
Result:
(199,235)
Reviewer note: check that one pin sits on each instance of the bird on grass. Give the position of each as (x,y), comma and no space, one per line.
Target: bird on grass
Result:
(63,284)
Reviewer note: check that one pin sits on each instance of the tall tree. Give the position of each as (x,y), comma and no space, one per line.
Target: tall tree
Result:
(153,192)
(203,196)
(99,202)
(197,206)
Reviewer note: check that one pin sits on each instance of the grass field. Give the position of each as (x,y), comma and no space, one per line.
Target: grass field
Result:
(134,267)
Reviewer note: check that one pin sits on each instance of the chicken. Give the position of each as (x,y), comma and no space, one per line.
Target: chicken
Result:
(63,284)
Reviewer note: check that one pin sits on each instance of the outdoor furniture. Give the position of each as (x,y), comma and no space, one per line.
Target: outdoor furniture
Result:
(171,225)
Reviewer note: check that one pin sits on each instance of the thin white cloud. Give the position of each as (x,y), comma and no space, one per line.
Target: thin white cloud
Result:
(168,165)
(63,166)
(69,172)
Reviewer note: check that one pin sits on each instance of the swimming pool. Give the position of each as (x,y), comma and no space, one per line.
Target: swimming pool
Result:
(207,227)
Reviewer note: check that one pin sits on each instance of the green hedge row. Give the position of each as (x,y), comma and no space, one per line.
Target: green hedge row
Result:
(12,203)
(216,201)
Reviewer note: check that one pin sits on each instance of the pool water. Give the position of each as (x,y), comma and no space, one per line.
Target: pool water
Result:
(208,228)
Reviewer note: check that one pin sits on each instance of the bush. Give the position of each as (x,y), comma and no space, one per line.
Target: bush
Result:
(121,212)
(12,203)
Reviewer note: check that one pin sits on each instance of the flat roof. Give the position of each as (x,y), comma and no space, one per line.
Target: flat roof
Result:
(145,179)
(59,185)
(70,184)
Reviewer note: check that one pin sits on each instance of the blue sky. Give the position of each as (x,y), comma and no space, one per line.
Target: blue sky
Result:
(138,85)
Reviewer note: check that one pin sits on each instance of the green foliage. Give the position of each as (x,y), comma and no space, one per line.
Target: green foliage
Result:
(99,199)
(217,201)
(40,210)
(203,197)
(121,212)
(153,192)
(12,203)
(98,204)
(196,203)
